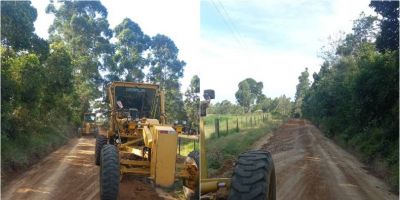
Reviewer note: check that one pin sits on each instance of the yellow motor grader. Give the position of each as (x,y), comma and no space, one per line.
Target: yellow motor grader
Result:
(88,125)
(138,142)
(253,174)
(180,127)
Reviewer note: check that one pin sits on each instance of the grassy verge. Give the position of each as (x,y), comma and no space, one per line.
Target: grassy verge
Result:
(227,147)
(381,158)
(25,150)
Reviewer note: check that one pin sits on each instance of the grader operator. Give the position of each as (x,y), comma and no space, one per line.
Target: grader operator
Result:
(138,142)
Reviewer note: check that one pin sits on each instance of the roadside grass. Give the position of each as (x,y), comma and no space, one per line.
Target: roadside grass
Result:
(188,146)
(228,146)
(25,150)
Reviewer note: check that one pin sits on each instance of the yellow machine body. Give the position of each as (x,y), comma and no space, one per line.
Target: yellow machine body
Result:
(89,125)
(178,128)
(164,155)
(147,146)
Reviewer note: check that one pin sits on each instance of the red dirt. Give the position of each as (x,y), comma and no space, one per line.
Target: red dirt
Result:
(70,173)
(310,166)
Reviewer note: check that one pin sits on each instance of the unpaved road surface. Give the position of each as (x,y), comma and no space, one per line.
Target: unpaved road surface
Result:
(310,166)
(70,173)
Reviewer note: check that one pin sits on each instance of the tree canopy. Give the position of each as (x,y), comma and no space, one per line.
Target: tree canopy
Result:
(47,85)
(249,91)
(355,97)
(301,90)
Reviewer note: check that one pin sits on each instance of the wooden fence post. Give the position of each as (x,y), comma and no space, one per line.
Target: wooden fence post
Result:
(217,126)
(227,127)
(237,125)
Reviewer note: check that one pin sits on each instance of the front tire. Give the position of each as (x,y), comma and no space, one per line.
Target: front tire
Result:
(100,142)
(109,173)
(253,177)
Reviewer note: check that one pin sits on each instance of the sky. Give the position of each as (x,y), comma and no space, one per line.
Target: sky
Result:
(270,41)
(225,41)
(177,19)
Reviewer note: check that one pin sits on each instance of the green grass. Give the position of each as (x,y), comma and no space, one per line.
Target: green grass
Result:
(229,145)
(234,122)
(188,146)
(25,150)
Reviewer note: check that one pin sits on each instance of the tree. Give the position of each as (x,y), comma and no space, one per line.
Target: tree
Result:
(225,107)
(301,90)
(244,96)
(83,29)
(17,28)
(281,105)
(131,43)
(364,30)
(388,38)
(192,101)
(166,69)
(249,91)
(355,97)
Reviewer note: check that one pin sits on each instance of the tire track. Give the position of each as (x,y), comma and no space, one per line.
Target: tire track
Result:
(310,166)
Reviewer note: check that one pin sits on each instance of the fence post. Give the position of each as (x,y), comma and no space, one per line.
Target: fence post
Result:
(227,128)
(217,126)
(251,122)
(237,125)
(179,145)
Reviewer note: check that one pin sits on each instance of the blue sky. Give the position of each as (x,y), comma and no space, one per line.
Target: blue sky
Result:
(270,41)
(226,41)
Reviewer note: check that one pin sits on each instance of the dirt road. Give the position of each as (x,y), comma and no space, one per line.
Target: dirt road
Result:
(309,166)
(70,173)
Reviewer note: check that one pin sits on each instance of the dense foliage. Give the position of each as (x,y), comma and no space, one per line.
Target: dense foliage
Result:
(251,99)
(192,102)
(248,92)
(301,89)
(47,85)
(355,96)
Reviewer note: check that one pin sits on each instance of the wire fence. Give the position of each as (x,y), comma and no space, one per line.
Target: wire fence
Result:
(217,126)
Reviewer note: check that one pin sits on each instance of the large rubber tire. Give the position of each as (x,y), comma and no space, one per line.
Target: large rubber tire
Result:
(195,155)
(100,142)
(188,190)
(253,177)
(109,173)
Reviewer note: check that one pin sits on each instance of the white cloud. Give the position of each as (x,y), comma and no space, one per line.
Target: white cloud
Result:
(282,38)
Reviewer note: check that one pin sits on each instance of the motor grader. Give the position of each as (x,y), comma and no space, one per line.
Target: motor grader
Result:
(180,127)
(139,142)
(253,174)
(88,125)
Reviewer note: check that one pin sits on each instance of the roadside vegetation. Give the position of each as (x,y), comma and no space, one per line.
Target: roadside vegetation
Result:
(354,98)
(225,148)
(232,128)
(47,84)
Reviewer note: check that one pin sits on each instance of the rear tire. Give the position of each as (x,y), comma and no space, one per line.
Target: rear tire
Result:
(100,142)
(253,177)
(109,173)
(191,186)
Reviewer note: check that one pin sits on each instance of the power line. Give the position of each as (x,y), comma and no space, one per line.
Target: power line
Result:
(232,24)
(231,28)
